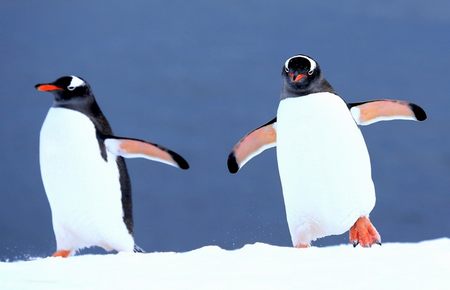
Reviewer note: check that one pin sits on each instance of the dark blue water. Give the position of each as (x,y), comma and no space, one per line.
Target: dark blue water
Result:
(195,76)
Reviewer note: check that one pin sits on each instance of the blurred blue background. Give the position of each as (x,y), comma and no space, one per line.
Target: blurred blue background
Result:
(195,76)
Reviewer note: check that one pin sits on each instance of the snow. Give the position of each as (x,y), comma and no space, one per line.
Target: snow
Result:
(424,265)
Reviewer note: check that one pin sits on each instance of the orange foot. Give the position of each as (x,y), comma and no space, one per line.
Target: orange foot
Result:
(364,233)
(302,246)
(62,253)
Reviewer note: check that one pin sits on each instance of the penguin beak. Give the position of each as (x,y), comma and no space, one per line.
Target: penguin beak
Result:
(299,78)
(296,78)
(47,87)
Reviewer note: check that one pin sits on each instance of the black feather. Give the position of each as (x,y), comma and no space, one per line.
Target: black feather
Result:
(419,113)
(233,167)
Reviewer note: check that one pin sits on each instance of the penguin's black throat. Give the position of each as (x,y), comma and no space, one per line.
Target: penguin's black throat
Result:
(292,89)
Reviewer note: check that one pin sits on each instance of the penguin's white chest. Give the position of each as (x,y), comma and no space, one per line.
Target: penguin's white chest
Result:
(82,188)
(324,166)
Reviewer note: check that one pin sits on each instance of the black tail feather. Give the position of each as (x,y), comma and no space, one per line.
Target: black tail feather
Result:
(138,249)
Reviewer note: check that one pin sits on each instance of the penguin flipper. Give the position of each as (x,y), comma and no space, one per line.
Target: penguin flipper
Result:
(370,112)
(252,144)
(135,148)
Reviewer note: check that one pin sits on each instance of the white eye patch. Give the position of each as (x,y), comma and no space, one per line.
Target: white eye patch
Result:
(312,62)
(75,82)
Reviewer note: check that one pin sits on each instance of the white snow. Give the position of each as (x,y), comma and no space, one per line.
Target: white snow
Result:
(424,265)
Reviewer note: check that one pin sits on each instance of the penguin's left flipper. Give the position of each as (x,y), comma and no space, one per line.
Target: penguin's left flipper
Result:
(252,144)
(370,112)
(135,148)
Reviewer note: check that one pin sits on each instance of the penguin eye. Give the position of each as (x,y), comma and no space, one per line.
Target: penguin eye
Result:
(71,88)
(286,69)
(310,72)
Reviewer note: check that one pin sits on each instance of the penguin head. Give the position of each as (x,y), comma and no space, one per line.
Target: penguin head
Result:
(67,88)
(301,74)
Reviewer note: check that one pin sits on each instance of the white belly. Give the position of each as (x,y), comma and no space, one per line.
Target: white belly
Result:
(82,188)
(324,167)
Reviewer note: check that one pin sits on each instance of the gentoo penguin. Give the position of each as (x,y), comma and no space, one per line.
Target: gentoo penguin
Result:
(84,173)
(323,161)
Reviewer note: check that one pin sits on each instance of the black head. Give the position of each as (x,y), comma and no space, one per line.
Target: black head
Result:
(302,76)
(67,88)
(72,92)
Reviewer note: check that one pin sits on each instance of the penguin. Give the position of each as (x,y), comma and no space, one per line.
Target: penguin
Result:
(323,161)
(84,173)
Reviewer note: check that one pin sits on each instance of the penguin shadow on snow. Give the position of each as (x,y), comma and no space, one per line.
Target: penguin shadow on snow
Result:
(81,159)
(319,148)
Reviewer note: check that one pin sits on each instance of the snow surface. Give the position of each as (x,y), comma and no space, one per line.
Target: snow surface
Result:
(424,265)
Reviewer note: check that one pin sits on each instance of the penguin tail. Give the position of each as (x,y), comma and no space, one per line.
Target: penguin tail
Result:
(138,249)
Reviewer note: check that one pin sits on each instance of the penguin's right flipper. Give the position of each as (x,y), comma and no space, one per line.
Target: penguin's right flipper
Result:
(135,148)
(252,144)
(370,112)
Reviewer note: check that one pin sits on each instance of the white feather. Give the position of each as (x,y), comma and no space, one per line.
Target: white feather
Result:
(356,113)
(76,82)
(312,62)
(113,146)
(257,152)
(261,149)
(82,188)
(324,167)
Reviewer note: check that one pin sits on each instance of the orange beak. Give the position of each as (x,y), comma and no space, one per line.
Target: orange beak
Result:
(47,87)
(299,77)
